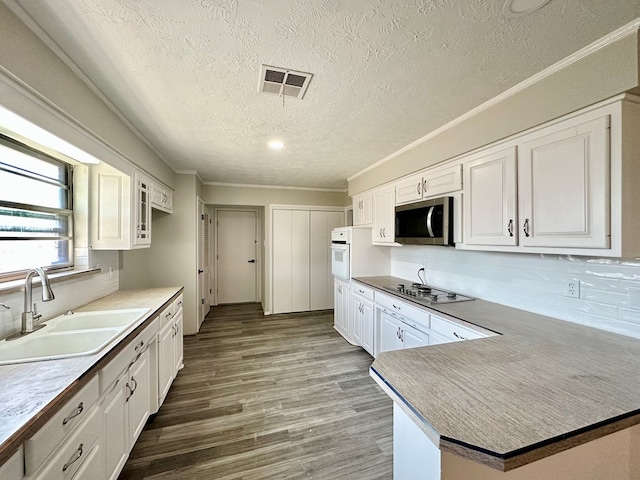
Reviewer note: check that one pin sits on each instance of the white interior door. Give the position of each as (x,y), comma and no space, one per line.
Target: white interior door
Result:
(321,224)
(237,256)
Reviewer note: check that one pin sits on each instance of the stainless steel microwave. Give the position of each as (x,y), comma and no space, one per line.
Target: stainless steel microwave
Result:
(429,222)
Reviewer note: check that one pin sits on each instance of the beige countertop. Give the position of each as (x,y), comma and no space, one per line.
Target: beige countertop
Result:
(542,386)
(30,393)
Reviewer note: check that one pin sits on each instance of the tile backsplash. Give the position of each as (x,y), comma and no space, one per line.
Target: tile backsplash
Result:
(598,292)
(69,294)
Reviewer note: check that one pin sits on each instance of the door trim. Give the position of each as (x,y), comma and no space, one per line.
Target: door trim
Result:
(214,248)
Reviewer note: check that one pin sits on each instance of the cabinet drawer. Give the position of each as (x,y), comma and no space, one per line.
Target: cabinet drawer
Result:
(453,330)
(403,309)
(178,304)
(166,316)
(127,356)
(13,468)
(362,291)
(39,447)
(73,453)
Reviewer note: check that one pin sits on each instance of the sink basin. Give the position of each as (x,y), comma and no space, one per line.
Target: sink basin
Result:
(53,345)
(99,319)
(83,333)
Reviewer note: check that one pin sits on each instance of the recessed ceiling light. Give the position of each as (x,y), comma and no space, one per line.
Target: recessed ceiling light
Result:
(515,8)
(276,145)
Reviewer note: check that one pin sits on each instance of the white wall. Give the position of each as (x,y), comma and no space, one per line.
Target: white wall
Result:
(609,288)
(69,294)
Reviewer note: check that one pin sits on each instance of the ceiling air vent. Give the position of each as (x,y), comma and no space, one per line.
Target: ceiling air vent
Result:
(282,81)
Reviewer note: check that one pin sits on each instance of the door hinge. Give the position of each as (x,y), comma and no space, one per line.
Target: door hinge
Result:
(202,301)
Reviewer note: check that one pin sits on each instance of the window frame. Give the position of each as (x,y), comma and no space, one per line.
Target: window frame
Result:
(67,186)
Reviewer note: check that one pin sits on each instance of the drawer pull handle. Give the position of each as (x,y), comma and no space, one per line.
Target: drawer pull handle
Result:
(167,315)
(140,345)
(459,336)
(74,459)
(396,307)
(77,412)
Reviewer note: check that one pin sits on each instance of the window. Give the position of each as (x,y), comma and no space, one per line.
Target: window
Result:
(36,216)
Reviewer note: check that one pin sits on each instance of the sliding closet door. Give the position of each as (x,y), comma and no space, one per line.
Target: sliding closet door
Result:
(321,281)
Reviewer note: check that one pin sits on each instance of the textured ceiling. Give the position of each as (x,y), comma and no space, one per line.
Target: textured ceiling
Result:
(185,72)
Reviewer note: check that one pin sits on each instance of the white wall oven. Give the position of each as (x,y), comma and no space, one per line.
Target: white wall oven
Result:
(340,253)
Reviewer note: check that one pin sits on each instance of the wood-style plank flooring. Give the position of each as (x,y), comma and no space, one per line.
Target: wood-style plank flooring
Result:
(277,397)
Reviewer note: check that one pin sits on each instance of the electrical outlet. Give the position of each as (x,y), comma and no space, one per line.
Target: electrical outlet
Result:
(573,288)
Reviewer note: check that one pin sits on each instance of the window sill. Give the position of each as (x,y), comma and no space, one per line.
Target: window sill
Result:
(18,285)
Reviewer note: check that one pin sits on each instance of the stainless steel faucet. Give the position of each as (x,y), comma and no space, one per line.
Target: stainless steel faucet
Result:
(29,315)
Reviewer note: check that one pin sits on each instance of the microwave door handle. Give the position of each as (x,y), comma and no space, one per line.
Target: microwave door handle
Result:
(429,221)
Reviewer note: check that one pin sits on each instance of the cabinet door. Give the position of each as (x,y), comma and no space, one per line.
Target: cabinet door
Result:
(367,327)
(321,280)
(412,338)
(93,466)
(490,199)
(116,433)
(341,294)
(362,209)
(441,181)
(110,198)
(356,320)
(139,396)
(564,187)
(142,235)
(166,364)
(389,333)
(178,341)
(13,469)
(409,190)
(384,215)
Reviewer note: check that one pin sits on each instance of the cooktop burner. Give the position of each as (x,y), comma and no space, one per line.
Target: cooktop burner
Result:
(426,294)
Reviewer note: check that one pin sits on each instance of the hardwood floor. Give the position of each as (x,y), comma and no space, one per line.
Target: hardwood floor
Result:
(278,397)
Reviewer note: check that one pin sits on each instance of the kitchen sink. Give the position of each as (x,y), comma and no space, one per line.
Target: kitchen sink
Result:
(82,333)
(99,319)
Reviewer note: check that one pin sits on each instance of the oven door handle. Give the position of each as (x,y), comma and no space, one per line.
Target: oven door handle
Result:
(429,220)
(338,246)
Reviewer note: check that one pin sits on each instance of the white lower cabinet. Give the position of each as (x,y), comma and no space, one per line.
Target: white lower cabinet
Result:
(126,405)
(395,334)
(170,347)
(362,315)
(341,308)
(115,415)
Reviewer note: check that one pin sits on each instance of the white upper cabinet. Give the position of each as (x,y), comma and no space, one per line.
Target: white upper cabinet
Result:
(563,186)
(409,190)
(362,209)
(161,197)
(430,183)
(384,211)
(142,211)
(490,198)
(558,189)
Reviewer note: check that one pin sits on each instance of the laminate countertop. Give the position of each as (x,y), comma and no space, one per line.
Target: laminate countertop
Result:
(541,387)
(31,393)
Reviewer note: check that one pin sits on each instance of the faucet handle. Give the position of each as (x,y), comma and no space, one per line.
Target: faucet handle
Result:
(36,315)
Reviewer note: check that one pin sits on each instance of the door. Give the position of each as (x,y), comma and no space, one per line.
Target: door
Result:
(389,334)
(203,269)
(490,199)
(321,281)
(564,187)
(236,256)
(367,326)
